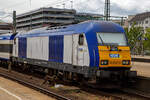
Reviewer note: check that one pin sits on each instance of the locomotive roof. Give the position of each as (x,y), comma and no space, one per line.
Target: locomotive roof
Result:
(84,27)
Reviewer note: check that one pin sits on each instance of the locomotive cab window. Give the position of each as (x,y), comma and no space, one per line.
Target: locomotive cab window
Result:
(81,39)
(112,39)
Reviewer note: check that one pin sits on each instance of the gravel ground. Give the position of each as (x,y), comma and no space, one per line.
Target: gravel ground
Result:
(72,92)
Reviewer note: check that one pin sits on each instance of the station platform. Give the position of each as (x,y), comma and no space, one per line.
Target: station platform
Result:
(139,58)
(141,64)
(142,68)
(10,90)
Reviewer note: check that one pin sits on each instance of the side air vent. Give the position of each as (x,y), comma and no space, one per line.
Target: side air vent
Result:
(54,28)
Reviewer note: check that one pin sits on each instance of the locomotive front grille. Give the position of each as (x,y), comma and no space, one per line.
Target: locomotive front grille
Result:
(114,62)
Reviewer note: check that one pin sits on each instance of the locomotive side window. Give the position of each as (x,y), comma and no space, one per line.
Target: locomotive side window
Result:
(15,41)
(81,39)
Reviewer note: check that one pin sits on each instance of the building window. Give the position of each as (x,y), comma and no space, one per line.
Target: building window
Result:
(146,22)
(136,23)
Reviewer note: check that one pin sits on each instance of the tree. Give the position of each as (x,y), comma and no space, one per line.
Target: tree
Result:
(147,40)
(135,35)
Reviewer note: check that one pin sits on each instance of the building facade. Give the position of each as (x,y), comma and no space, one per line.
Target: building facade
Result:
(141,20)
(5,27)
(80,17)
(43,17)
(52,17)
(126,22)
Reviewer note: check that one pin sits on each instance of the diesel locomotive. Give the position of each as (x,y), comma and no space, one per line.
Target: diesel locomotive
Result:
(91,49)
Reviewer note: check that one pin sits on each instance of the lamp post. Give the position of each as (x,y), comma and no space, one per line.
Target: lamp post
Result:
(71,4)
(142,44)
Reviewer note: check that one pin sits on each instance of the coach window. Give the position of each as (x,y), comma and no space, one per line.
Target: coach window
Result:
(81,39)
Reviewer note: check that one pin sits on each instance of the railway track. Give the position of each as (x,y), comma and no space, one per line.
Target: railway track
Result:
(52,94)
(16,76)
(136,92)
(99,92)
(114,94)
(121,93)
(130,94)
(36,87)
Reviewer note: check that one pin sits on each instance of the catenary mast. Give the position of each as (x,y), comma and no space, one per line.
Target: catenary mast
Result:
(107,10)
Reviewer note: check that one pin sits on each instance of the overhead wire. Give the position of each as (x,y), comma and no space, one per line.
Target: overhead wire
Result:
(62,2)
(16,4)
(9,6)
(55,3)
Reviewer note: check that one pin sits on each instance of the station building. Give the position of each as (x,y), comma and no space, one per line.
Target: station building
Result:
(141,20)
(52,17)
(43,17)
(5,27)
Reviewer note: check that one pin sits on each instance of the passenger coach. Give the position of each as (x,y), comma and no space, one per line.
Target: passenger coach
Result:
(6,45)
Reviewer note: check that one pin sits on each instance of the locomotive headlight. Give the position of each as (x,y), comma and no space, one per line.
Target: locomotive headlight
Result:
(126,62)
(104,62)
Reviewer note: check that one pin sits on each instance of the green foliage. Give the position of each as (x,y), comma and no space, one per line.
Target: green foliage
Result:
(147,39)
(134,35)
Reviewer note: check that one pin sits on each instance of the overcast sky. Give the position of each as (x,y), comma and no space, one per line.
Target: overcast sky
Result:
(118,7)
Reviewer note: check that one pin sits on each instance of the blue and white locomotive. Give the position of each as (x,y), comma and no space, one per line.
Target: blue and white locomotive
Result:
(88,49)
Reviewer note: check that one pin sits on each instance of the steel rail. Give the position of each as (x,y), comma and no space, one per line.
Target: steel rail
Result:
(41,89)
(136,92)
(90,88)
(127,91)
(85,87)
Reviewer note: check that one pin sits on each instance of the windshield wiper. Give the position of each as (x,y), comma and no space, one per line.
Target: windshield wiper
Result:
(101,40)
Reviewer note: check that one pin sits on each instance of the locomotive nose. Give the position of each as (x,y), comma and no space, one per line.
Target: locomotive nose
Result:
(114,56)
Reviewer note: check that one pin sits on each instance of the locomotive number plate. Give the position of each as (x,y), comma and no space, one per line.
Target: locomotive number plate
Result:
(114,55)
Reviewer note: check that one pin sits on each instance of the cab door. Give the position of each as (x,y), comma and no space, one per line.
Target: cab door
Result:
(78,49)
(81,50)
